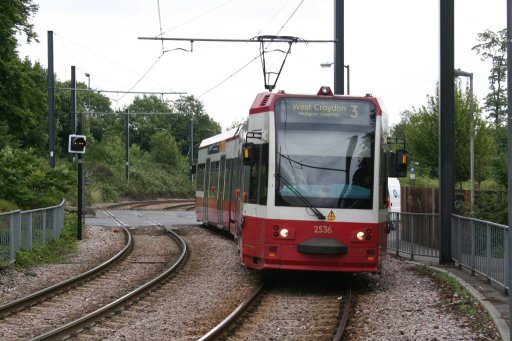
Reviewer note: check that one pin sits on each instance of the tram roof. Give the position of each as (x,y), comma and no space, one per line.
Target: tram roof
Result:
(265,100)
(227,135)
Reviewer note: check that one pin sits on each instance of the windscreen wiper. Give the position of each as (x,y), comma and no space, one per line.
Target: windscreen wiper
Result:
(310,166)
(301,197)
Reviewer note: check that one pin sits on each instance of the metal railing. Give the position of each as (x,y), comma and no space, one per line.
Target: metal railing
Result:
(414,234)
(27,229)
(480,246)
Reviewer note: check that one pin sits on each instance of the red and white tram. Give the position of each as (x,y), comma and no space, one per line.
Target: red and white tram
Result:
(302,185)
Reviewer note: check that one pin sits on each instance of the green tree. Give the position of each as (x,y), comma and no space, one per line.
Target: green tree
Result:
(164,150)
(421,128)
(189,109)
(492,47)
(14,20)
(91,105)
(21,83)
(153,117)
(27,181)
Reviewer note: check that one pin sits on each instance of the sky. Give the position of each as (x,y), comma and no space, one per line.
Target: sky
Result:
(391,47)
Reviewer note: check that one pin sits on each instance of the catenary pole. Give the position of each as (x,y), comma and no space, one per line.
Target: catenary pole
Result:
(446,127)
(509,123)
(73,100)
(80,183)
(339,47)
(127,144)
(51,102)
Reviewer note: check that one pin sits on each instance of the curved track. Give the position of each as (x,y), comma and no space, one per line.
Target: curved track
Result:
(71,306)
(47,293)
(82,324)
(287,310)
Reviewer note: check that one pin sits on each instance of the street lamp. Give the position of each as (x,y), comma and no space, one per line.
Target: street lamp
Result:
(460,73)
(328,65)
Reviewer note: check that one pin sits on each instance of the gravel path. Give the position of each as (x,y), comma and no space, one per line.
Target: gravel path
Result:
(399,305)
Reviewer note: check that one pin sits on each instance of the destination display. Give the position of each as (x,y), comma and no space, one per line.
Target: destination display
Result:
(351,112)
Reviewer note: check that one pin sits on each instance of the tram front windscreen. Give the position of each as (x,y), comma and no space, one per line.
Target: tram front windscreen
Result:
(325,152)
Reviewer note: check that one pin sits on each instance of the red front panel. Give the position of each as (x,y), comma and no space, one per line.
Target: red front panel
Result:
(262,249)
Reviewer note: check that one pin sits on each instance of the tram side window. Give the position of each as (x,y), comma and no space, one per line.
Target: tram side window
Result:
(214,178)
(383,188)
(200,177)
(258,180)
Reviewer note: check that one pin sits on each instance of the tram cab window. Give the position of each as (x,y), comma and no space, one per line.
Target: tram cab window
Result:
(258,176)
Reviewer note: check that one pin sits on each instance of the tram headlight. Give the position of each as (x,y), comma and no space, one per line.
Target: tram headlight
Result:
(284,233)
(360,235)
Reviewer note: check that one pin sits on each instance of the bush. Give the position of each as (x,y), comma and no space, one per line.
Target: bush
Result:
(28,182)
(491,205)
(55,250)
(7,206)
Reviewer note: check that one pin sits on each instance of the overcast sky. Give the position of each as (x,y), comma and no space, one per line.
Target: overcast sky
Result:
(392,47)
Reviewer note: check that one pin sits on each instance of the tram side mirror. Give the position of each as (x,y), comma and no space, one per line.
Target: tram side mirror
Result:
(248,154)
(397,164)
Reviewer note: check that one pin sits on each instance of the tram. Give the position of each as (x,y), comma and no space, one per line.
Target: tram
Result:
(302,184)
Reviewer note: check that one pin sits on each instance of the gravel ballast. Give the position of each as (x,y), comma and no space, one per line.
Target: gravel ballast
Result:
(399,305)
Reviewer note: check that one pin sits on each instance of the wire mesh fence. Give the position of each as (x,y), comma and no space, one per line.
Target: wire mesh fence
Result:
(27,229)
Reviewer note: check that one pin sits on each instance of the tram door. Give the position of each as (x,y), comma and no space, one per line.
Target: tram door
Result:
(220,194)
(206,189)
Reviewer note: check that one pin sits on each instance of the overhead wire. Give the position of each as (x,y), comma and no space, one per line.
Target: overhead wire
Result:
(272,18)
(196,17)
(290,17)
(160,23)
(227,78)
(144,75)
(259,55)
(104,57)
(162,33)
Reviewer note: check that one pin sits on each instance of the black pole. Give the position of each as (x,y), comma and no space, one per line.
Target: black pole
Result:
(509,118)
(127,144)
(191,149)
(348,79)
(51,102)
(80,184)
(339,47)
(446,128)
(73,100)
(80,194)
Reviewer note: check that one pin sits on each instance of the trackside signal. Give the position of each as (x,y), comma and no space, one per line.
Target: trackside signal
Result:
(77,144)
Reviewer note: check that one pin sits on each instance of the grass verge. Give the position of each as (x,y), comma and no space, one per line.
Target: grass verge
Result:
(55,250)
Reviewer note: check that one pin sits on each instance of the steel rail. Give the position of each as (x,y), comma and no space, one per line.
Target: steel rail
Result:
(138,204)
(213,333)
(79,325)
(32,299)
(344,317)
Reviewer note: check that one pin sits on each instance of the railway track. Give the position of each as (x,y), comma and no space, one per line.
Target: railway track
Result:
(28,301)
(299,310)
(71,307)
(163,204)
